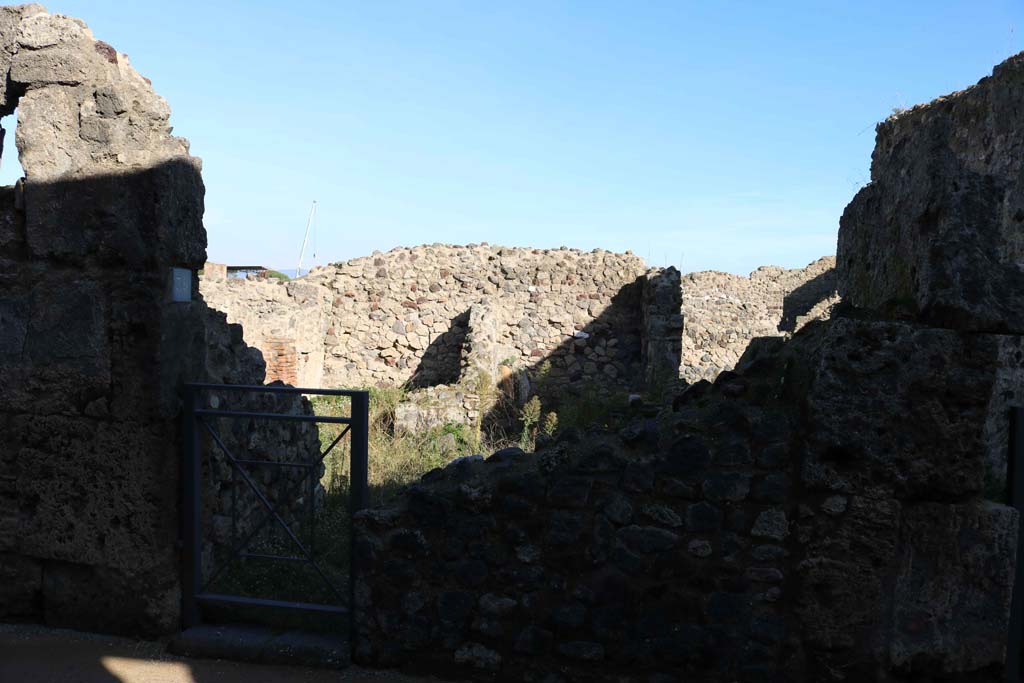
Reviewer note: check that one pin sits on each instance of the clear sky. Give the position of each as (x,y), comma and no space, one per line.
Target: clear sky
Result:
(711,135)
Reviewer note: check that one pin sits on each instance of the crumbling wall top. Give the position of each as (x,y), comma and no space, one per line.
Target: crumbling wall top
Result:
(938,234)
(82,108)
(86,117)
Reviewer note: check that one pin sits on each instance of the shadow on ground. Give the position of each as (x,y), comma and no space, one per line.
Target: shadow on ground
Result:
(42,655)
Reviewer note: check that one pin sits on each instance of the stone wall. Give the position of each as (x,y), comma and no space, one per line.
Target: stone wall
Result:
(662,321)
(590,560)
(401,317)
(831,510)
(396,316)
(936,235)
(231,509)
(93,346)
(449,322)
(286,321)
(914,577)
(729,541)
(724,312)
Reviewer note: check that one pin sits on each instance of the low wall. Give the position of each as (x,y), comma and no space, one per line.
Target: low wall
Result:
(730,540)
(588,561)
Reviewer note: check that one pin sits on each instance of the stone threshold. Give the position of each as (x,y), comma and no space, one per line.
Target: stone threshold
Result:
(263,645)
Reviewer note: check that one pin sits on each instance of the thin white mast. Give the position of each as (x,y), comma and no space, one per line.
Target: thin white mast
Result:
(305,239)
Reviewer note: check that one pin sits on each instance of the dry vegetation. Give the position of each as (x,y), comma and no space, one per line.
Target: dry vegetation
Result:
(398,457)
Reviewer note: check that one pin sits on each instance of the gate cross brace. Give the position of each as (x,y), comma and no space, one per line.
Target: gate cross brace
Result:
(272,512)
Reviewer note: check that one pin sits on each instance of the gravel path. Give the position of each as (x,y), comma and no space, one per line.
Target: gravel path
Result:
(35,654)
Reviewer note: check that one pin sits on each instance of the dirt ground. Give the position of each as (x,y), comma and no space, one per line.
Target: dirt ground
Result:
(34,654)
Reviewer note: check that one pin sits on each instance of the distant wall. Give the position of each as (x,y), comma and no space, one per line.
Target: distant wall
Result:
(401,317)
(286,321)
(724,312)
(398,317)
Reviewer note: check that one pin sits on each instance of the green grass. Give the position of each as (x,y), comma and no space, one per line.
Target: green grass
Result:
(396,457)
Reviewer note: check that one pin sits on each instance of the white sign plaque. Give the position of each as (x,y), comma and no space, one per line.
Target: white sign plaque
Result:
(181,284)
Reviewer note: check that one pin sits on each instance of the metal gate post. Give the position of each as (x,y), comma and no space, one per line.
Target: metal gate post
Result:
(358,497)
(359,467)
(192,519)
(1015,475)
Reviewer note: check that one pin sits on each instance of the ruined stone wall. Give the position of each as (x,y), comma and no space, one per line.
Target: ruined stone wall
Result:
(950,246)
(287,321)
(662,320)
(93,346)
(231,508)
(591,560)
(914,577)
(803,518)
(932,247)
(482,374)
(724,312)
(832,510)
(938,235)
(401,316)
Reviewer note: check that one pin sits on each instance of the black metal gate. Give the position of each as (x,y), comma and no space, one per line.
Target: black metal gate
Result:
(199,424)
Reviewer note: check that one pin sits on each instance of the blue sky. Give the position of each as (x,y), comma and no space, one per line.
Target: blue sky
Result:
(711,135)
